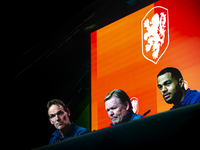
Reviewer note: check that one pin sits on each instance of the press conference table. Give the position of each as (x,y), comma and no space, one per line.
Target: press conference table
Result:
(177,128)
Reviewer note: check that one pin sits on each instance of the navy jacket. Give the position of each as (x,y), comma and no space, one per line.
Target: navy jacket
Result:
(74,131)
(191,97)
(130,116)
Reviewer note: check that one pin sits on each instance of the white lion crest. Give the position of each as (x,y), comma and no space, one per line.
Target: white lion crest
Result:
(156,33)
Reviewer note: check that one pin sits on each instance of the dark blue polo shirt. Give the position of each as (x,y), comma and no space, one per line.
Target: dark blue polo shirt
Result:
(191,97)
(74,131)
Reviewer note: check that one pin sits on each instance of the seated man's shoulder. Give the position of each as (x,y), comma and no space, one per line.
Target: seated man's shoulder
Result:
(195,97)
(136,116)
(80,130)
(139,116)
(54,138)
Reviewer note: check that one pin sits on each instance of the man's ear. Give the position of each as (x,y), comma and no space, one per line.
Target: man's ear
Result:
(68,112)
(126,105)
(181,83)
(50,121)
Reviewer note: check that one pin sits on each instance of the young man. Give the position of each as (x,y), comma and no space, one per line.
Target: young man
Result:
(171,85)
(119,107)
(59,117)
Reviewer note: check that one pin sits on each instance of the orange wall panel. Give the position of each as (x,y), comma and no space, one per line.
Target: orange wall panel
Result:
(117,61)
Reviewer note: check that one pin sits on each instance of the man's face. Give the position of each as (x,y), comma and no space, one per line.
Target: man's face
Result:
(116,111)
(169,87)
(58,116)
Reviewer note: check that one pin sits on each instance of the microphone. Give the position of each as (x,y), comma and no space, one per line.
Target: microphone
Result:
(147,112)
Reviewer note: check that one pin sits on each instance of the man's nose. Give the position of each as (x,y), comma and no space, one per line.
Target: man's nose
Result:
(57,117)
(164,89)
(111,113)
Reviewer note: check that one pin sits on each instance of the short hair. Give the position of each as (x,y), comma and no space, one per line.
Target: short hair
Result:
(56,102)
(123,97)
(174,72)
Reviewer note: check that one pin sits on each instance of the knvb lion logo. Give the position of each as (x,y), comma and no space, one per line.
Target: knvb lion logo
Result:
(155,33)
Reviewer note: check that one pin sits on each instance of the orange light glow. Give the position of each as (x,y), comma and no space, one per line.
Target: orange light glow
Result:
(117,61)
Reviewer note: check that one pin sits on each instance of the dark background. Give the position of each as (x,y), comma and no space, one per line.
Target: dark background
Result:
(52,60)
(44,71)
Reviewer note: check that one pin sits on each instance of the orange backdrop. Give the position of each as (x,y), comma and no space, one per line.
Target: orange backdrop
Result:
(117,61)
